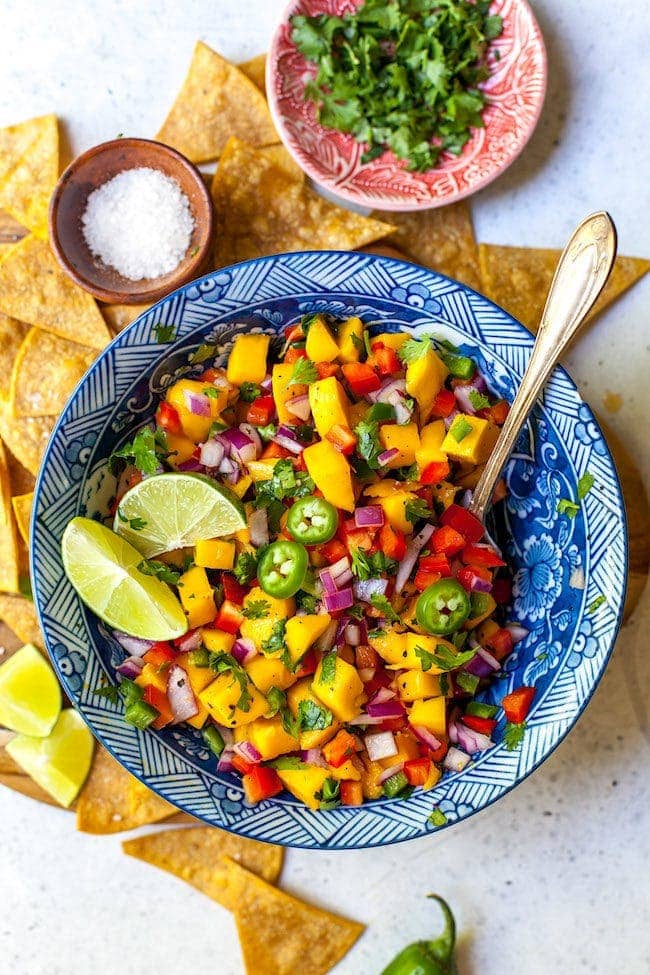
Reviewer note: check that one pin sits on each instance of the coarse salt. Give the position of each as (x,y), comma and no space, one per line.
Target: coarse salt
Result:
(139,223)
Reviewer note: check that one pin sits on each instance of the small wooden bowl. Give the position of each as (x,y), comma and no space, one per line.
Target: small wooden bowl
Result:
(89,171)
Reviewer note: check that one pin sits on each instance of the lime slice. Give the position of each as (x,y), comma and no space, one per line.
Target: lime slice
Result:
(171,511)
(60,762)
(30,696)
(103,568)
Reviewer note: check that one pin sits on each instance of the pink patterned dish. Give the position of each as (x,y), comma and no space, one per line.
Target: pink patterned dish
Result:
(515,91)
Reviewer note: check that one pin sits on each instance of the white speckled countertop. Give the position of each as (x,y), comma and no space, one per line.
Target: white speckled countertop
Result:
(554,876)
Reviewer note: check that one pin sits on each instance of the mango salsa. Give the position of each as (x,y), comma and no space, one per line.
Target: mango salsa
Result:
(424,380)
(321,345)
(329,405)
(350,340)
(343,693)
(331,473)
(470,439)
(247,360)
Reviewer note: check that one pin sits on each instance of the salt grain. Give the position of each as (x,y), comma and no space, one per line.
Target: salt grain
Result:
(139,223)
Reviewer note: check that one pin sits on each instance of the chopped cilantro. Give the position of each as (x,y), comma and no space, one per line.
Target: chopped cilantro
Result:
(445,659)
(425,658)
(468,682)
(437,817)
(245,568)
(382,603)
(136,524)
(276,639)
(571,508)
(249,392)
(368,444)
(277,701)
(211,392)
(329,796)
(460,428)
(513,735)
(267,432)
(313,717)
(356,341)
(304,372)
(307,321)
(221,663)
(110,692)
(164,333)
(568,508)
(417,509)
(146,451)
(162,571)
(257,609)
(202,354)
(365,566)
(597,603)
(286,482)
(585,485)
(307,601)
(478,400)
(414,349)
(328,669)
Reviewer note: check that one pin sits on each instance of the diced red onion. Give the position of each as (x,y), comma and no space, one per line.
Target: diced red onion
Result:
(365,588)
(131,668)
(230,470)
(251,432)
(336,601)
(258,526)
(388,387)
(403,413)
(225,443)
(469,740)
(488,658)
(450,419)
(372,516)
(479,584)
(340,572)
(388,772)
(247,751)
(132,644)
(267,384)
(366,720)
(299,406)
(353,634)
(463,400)
(243,650)
(517,631)
(387,710)
(191,466)
(329,586)
(382,695)
(413,549)
(325,642)
(242,447)
(212,453)
(386,456)
(189,641)
(313,756)
(180,694)
(380,744)
(225,760)
(197,403)
(426,737)
(455,760)
(478,667)
(286,437)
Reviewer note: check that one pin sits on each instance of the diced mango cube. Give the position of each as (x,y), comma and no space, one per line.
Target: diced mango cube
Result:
(392,340)
(214,553)
(247,359)
(302,631)
(405,439)
(394,507)
(358,412)
(261,470)
(217,641)
(201,716)
(180,448)
(242,485)
(344,694)
(196,427)
(301,691)
(430,449)
(331,473)
(431,713)
(413,685)
(152,676)
(329,405)
(445,493)
(222,696)
(196,596)
(433,778)
(470,439)
(270,738)
(282,391)
(321,345)
(199,677)
(350,340)
(424,380)
(346,771)
(305,783)
(259,630)
(268,672)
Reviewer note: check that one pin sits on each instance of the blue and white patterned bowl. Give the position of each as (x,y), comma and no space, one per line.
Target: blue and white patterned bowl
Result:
(561,566)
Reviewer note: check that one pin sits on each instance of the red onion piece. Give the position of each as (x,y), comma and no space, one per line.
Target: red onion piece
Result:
(365,719)
(365,588)
(388,387)
(478,584)
(488,658)
(450,419)
(339,568)
(461,394)
(251,432)
(242,447)
(372,516)
(247,751)
(325,642)
(388,772)
(517,631)
(478,667)
(286,437)
(267,384)
(403,413)
(471,741)
(299,406)
(189,641)
(413,549)
(466,498)
(212,453)
(130,668)
(380,744)
(329,586)
(426,737)
(225,443)
(258,526)
(386,456)
(387,710)
(313,756)
(197,403)
(243,650)
(382,695)
(225,760)
(230,470)
(180,694)
(455,760)
(191,466)
(336,601)
(353,634)
(132,644)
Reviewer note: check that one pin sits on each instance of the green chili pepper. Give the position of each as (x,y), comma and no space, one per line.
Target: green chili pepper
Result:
(429,957)
(312,520)
(460,366)
(443,607)
(282,569)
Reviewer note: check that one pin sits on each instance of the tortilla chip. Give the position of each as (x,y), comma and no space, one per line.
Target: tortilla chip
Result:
(117,317)
(279,156)
(281,935)
(7,764)
(34,288)
(145,805)
(259,211)
(26,437)
(8,538)
(46,370)
(442,239)
(10,232)
(195,855)
(104,805)
(217,100)
(22,482)
(519,278)
(255,69)
(20,616)
(22,505)
(12,333)
(29,169)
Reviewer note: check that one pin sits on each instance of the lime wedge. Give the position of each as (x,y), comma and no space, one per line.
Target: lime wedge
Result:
(171,511)
(60,762)
(30,696)
(103,568)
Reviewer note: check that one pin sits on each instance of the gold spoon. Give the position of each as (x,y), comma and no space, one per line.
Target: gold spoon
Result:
(580,276)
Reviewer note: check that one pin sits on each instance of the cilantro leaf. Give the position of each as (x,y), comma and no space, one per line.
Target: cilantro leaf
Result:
(286,482)
(417,509)
(110,692)
(307,601)
(568,508)
(585,485)
(414,349)
(164,333)
(446,659)
(256,609)
(304,372)
(245,568)
(328,668)
(424,656)
(211,392)
(478,400)
(146,451)
(249,392)
(287,762)
(313,717)
(276,639)
(277,701)
(513,735)
(137,524)
(468,682)
(382,603)
(162,571)
(365,566)
(329,795)
(202,354)
(368,444)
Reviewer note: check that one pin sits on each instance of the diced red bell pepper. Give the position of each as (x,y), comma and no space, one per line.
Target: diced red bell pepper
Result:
(158,700)
(242,766)
(327,369)
(159,654)
(167,418)
(293,354)
(339,749)
(435,472)
(500,643)
(502,590)
(475,554)
(392,542)
(417,770)
(365,657)
(444,404)
(469,574)
(425,578)
(333,550)
(273,450)
(497,413)
(233,591)
(342,438)
(384,360)
(308,664)
(229,617)
(463,521)
(261,411)
(484,726)
(516,705)
(436,563)
(351,793)
(393,724)
(293,333)
(361,378)
(260,783)
(447,540)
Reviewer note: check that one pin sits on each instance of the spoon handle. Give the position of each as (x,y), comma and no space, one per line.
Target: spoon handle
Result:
(579,278)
